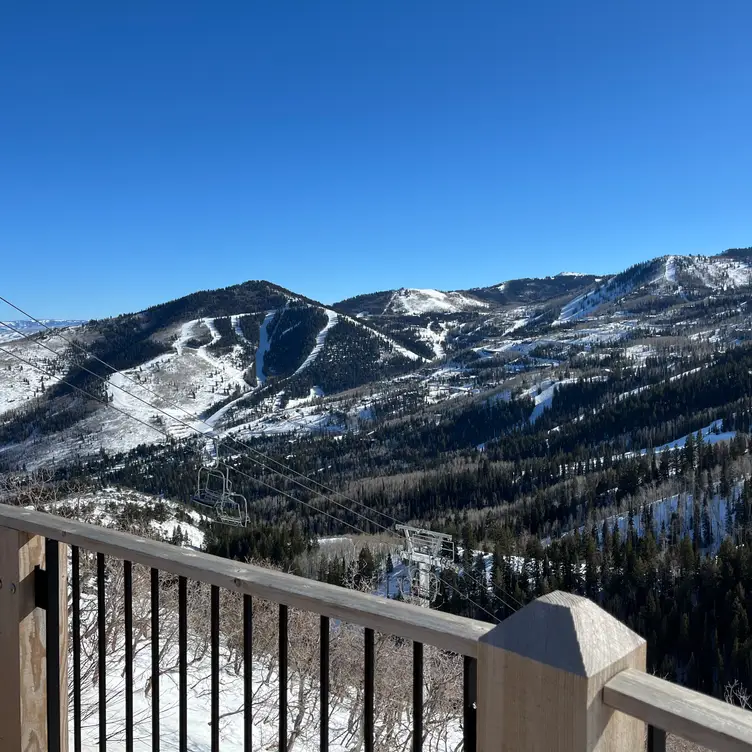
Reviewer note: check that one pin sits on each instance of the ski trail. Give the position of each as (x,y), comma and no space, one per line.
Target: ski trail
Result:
(263,348)
(669,271)
(212,327)
(409,354)
(186,330)
(332,320)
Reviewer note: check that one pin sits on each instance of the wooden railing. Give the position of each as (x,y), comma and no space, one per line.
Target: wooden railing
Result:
(560,674)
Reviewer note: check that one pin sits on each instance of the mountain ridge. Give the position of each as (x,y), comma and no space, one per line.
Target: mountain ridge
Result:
(258,359)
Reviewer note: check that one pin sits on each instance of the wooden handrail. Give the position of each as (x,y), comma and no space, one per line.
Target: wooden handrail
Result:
(445,631)
(691,715)
(544,676)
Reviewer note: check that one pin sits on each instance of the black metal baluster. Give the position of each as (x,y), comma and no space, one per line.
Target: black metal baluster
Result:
(324,683)
(183,663)
(52,636)
(155,660)
(101,655)
(76,598)
(656,739)
(417,697)
(469,691)
(215,668)
(128,603)
(283,620)
(370,660)
(248,671)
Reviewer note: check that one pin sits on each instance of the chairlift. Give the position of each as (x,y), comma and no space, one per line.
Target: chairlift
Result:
(214,492)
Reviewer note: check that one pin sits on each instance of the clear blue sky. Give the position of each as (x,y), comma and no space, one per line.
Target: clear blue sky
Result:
(149,149)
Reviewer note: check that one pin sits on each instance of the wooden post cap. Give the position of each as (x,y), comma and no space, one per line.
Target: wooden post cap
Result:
(541,674)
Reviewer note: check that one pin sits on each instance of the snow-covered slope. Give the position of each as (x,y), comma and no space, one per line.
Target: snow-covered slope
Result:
(133,511)
(714,272)
(21,382)
(414,302)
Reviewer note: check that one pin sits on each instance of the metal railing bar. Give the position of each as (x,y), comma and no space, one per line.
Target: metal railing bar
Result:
(76,637)
(128,613)
(183,664)
(155,660)
(248,671)
(52,636)
(283,666)
(370,660)
(469,704)
(101,654)
(215,668)
(324,683)
(417,696)
(656,739)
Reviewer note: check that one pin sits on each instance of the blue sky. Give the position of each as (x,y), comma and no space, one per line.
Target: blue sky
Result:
(149,149)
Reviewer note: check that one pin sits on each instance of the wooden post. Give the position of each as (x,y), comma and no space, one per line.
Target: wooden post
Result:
(541,674)
(23,700)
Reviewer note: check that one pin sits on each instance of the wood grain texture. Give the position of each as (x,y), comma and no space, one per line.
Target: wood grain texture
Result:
(10,686)
(444,631)
(23,711)
(23,689)
(540,679)
(691,715)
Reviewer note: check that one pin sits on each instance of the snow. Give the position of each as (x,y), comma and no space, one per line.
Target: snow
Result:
(302,699)
(178,383)
(435,339)
(681,505)
(545,398)
(315,393)
(639,353)
(415,302)
(711,434)
(104,507)
(409,354)
(716,272)
(584,305)
(211,326)
(516,324)
(670,270)
(20,382)
(331,320)
(296,420)
(31,327)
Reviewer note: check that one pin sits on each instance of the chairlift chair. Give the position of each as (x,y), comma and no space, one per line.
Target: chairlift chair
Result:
(214,493)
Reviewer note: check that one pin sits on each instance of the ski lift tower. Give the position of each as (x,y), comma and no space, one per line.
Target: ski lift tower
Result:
(424,552)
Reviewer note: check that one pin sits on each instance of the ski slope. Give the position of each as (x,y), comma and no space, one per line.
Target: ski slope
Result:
(415,302)
(332,320)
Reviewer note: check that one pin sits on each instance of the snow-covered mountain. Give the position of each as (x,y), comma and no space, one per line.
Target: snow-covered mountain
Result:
(31,327)
(257,359)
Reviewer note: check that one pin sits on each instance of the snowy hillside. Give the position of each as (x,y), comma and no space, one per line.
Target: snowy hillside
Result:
(714,272)
(415,302)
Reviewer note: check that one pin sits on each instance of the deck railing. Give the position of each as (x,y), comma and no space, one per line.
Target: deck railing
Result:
(561,674)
